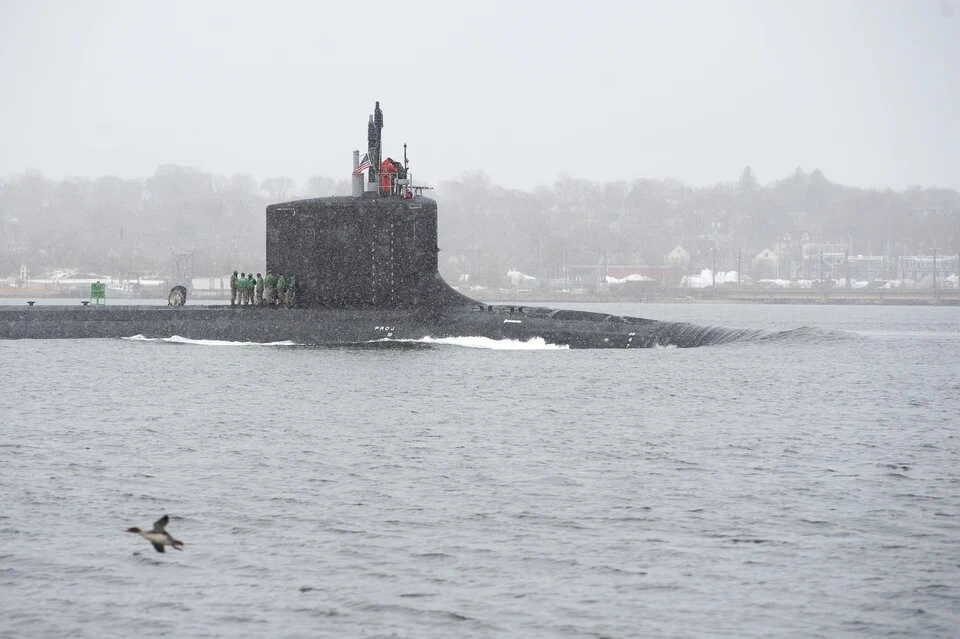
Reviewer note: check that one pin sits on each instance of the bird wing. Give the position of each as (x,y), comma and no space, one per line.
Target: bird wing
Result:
(160,525)
(158,547)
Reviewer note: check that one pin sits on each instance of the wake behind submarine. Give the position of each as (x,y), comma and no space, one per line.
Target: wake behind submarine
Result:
(366,271)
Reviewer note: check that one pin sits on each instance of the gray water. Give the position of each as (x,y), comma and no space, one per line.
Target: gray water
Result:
(806,484)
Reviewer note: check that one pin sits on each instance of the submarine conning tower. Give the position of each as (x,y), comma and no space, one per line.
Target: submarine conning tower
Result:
(374,249)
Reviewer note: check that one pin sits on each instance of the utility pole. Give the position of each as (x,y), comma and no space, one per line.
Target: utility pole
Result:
(846,265)
(821,275)
(934,276)
(713,250)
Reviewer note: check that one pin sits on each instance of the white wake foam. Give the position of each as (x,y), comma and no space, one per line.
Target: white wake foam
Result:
(176,339)
(532,344)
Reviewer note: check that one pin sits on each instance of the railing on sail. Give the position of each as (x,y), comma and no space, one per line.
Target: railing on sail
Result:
(398,184)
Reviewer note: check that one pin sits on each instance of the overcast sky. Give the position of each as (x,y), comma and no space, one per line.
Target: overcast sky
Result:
(868,91)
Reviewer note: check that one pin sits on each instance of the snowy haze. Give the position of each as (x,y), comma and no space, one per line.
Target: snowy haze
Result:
(867,91)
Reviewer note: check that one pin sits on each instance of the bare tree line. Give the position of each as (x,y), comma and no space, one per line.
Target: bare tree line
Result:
(118,226)
(486,229)
(114,225)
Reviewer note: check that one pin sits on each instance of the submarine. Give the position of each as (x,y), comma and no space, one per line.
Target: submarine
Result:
(366,271)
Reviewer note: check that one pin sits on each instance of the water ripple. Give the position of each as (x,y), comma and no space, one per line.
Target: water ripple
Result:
(804,483)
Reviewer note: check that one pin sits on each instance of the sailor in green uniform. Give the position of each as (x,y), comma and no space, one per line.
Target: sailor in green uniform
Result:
(233,289)
(269,288)
(258,300)
(244,289)
(281,288)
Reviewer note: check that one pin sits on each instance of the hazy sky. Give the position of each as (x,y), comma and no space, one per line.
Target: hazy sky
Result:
(867,91)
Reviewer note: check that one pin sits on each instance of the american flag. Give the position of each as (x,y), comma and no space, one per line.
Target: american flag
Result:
(364,164)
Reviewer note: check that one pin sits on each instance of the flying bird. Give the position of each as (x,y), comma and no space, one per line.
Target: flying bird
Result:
(159,536)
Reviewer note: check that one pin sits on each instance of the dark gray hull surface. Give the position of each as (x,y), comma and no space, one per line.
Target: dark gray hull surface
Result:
(308,326)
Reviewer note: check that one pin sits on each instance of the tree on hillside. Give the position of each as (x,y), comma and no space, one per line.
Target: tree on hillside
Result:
(278,188)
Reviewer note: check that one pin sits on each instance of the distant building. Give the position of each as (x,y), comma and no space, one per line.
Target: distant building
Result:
(917,267)
(765,265)
(678,257)
(869,267)
(827,261)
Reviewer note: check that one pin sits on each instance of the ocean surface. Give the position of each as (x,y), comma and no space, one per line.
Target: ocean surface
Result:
(805,484)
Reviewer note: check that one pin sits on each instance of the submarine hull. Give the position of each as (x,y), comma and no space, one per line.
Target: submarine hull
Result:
(366,269)
(309,326)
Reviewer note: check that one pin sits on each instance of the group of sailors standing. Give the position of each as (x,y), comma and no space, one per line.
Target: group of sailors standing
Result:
(272,290)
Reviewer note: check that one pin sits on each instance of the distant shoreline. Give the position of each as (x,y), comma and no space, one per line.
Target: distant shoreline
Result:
(840,297)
